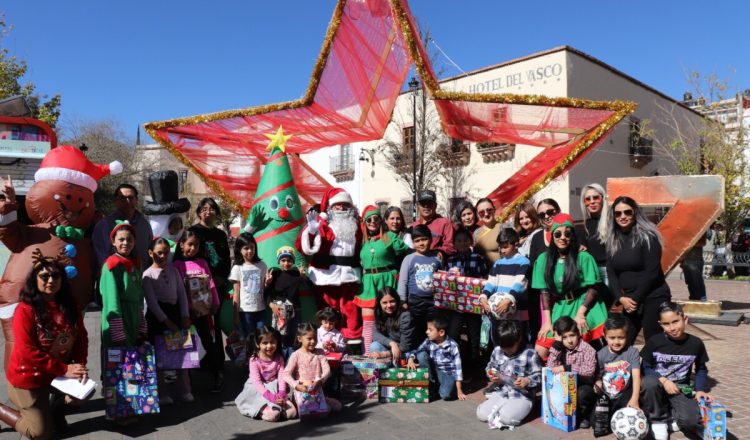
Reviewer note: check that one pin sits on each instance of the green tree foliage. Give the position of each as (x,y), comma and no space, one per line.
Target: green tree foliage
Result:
(12,71)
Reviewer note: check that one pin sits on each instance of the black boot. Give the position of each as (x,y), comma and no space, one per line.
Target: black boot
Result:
(9,416)
(57,407)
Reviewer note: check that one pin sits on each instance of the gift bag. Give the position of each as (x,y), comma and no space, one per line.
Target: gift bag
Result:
(359,376)
(714,420)
(559,396)
(401,385)
(130,386)
(456,292)
(311,405)
(198,290)
(178,350)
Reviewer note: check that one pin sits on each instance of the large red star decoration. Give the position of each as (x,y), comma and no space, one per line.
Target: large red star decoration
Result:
(359,73)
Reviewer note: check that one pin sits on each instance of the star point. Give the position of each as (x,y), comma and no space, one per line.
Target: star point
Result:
(278,139)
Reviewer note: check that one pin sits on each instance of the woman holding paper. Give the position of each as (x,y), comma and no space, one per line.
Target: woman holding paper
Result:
(51,341)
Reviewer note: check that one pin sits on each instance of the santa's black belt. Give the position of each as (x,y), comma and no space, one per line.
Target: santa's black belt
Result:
(330,260)
(380,269)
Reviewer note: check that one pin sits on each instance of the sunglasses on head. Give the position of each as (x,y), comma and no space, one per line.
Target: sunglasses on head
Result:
(46,276)
(595,198)
(566,233)
(548,213)
(372,219)
(626,213)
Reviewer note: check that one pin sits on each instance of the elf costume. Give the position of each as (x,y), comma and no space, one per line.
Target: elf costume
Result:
(378,256)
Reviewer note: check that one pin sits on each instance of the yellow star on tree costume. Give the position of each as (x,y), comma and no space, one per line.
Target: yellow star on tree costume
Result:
(278,139)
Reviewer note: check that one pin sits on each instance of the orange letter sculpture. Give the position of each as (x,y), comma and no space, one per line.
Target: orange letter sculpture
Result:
(695,201)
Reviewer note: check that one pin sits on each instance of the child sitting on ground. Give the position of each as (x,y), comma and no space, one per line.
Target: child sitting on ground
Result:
(619,367)
(330,338)
(571,353)
(518,372)
(440,354)
(668,359)
(265,394)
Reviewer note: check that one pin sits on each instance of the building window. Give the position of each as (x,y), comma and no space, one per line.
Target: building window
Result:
(382,206)
(640,147)
(183,176)
(409,139)
(342,165)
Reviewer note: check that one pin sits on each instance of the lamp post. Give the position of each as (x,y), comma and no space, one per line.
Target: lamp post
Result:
(413,86)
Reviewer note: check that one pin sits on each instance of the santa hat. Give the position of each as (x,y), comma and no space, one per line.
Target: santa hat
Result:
(69,164)
(331,197)
(560,220)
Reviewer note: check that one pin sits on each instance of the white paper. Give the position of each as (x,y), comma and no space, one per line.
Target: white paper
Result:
(73,387)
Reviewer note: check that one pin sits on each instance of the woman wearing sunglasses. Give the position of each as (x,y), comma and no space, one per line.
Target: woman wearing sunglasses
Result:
(51,341)
(485,236)
(595,215)
(636,279)
(381,248)
(567,278)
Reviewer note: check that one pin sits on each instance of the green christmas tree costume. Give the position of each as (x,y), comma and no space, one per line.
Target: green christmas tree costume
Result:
(276,217)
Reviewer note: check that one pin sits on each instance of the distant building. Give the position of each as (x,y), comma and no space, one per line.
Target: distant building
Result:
(733,113)
(560,72)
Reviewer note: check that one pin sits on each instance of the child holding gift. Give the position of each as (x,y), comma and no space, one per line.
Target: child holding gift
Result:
(415,279)
(466,263)
(167,309)
(440,354)
(195,271)
(508,276)
(265,393)
(571,353)
(283,294)
(307,370)
(668,359)
(330,338)
(517,371)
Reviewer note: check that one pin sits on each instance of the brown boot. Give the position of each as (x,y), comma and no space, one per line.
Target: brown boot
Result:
(9,416)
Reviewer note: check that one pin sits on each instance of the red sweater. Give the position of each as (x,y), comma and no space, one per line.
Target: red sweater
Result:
(31,364)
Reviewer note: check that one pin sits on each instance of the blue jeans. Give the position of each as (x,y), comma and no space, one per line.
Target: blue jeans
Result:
(377,346)
(251,321)
(444,382)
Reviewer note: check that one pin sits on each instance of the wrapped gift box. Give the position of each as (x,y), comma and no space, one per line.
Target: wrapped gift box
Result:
(198,290)
(334,359)
(397,385)
(360,373)
(714,420)
(458,293)
(130,386)
(559,397)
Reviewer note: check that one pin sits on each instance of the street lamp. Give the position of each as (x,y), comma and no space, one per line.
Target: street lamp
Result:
(370,152)
(413,86)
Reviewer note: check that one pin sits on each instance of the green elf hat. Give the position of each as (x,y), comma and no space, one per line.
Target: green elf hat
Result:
(558,221)
(369,211)
(285,251)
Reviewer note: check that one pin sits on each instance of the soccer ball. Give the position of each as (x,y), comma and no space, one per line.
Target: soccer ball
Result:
(629,424)
(496,299)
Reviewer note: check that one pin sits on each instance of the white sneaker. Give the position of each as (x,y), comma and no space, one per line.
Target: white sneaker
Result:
(166,400)
(674,427)
(660,431)
(187,398)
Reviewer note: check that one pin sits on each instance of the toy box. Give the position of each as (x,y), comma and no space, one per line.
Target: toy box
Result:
(714,420)
(401,385)
(559,398)
(359,375)
(455,292)
(130,386)
(311,405)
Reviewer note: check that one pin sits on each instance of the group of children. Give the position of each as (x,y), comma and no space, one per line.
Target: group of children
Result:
(277,371)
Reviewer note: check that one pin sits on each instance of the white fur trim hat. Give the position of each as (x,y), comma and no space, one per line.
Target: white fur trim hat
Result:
(333,196)
(69,164)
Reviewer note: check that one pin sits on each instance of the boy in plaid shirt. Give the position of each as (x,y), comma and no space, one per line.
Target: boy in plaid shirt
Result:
(439,353)
(469,264)
(518,371)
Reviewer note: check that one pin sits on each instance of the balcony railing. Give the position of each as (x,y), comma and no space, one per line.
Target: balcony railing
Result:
(495,152)
(342,168)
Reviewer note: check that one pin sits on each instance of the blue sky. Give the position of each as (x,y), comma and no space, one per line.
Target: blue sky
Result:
(139,61)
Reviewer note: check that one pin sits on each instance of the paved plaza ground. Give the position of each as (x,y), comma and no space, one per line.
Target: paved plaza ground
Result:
(215,416)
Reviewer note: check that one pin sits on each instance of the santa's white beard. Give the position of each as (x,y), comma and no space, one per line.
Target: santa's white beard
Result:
(344,225)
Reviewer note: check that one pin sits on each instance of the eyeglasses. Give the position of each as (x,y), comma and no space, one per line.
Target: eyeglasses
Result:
(484,212)
(207,209)
(595,198)
(548,213)
(373,219)
(559,234)
(626,213)
(46,276)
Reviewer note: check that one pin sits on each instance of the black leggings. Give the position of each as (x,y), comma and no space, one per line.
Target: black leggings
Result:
(646,317)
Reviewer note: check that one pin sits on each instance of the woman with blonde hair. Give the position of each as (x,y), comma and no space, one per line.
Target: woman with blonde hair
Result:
(595,215)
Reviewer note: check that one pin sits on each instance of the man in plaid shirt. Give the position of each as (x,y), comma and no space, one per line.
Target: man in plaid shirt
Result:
(518,372)
(440,354)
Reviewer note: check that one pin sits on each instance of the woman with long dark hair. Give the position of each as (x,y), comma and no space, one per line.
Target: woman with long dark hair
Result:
(51,341)
(636,279)
(394,330)
(465,216)
(567,278)
(395,222)
(527,225)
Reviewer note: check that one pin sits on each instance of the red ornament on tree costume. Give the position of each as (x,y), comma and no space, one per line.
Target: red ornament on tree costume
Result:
(61,206)
(333,240)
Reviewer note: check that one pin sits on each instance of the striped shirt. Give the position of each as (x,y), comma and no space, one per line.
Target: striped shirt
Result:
(444,357)
(525,363)
(509,276)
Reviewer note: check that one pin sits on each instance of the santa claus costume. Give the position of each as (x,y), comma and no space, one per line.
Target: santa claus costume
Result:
(333,240)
